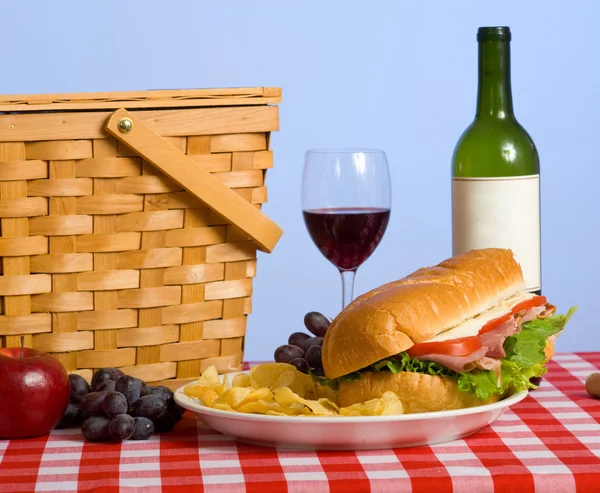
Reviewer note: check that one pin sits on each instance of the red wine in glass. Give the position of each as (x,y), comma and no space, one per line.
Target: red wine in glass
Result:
(346,203)
(347,236)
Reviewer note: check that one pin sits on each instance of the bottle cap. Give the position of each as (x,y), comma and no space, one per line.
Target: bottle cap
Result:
(493,34)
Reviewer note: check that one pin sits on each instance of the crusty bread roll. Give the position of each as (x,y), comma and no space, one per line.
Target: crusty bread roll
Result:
(418,392)
(393,317)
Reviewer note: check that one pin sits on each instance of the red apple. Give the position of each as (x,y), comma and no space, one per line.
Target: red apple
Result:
(34,392)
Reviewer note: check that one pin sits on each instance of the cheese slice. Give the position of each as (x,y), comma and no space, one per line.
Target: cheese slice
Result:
(472,326)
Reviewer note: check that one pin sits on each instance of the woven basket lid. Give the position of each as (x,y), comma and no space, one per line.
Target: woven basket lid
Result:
(163,98)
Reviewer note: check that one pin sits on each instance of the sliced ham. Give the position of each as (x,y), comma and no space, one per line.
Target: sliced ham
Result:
(486,363)
(456,363)
(493,364)
(494,339)
(550,310)
(532,313)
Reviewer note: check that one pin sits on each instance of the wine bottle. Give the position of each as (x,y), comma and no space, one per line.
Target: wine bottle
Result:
(496,170)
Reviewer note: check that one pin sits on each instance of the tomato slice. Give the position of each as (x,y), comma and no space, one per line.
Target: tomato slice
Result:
(496,322)
(530,303)
(462,346)
(523,305)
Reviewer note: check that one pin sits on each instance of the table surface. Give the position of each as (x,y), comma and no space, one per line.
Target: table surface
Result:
(549,442)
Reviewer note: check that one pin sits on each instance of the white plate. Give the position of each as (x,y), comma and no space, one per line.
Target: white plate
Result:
(349,433)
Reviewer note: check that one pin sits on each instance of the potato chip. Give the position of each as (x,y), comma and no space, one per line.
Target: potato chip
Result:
(225,385)
(234,396)
(272,375)
(205,395)
(285,397)
(388,403)
(241,380)
(329,404)
(287,411)
(275,413)
(318,409)
(325,392)
(276,375)
(209,378)
(391,404)
(258,407)
(262,407)
(303,384)
(298,406)
(223,407)
(263,394)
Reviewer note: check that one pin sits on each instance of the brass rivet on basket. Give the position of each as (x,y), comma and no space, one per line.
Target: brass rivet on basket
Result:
(125,125)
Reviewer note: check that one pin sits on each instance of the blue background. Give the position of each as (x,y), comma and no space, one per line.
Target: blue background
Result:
(395,75)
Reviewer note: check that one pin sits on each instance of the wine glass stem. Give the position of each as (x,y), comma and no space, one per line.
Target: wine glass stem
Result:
(347,286)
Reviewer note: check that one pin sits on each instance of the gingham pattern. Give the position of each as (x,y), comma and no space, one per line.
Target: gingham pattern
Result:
(550,442)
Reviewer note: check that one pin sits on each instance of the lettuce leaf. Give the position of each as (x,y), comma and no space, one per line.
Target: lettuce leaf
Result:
(527,347)
(403,362)
(484,383)
(334,382)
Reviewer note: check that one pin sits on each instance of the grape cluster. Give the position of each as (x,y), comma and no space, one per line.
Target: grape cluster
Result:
(118,407)
(302,350)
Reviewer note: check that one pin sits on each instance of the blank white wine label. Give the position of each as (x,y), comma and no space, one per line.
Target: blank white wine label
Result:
(501,213)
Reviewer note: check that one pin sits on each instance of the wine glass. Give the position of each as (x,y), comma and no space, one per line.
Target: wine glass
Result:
(346,202)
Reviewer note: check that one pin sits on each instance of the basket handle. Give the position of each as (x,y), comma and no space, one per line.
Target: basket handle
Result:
(195,179)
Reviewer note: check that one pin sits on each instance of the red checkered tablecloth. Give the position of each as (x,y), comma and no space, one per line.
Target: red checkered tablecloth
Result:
(550,442)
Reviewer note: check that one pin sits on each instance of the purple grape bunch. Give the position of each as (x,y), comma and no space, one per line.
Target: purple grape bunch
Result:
(117,407)
(304,351)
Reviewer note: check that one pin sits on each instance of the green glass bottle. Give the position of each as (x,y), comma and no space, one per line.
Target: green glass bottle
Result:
(496,170)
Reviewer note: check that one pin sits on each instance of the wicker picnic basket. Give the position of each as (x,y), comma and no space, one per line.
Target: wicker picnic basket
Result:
(130,224)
